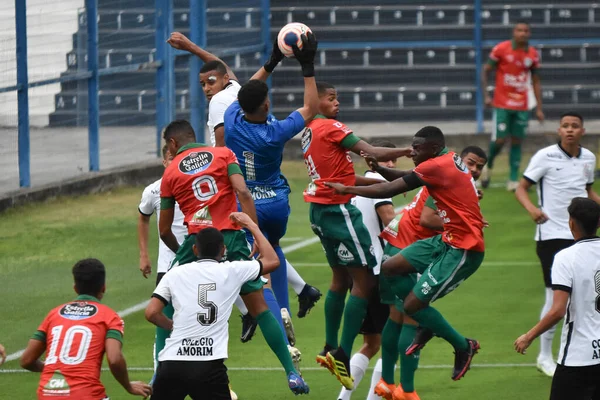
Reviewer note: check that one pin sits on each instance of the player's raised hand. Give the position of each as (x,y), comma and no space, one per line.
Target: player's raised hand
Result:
(538,216)
(306,55)
(274,59)
(242,219)
(145,266)
(522,343)
(179,41)
(371,161)
(2,354)
(138,388)
(338,187)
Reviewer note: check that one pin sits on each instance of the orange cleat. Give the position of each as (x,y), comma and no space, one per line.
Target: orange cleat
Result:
(384,389)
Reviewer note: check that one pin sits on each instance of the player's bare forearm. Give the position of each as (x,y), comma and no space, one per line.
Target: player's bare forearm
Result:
(378,191)
(30,360)
(311,100)
(207,56)
(593,195)
(386,213)
(387,154)
(430,219)
(363,181)
(261,75)
(268,256)
(143,229)
(537,89)
(392,174)
(244,196)
(556,313)
(168,238)
(117,363)
(165,221)
(154,314)
(523,197)
(484,81)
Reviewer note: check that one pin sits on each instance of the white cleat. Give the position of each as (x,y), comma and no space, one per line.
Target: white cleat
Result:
(296,357)
(547,366)
(485,177)
(232,394)
(511,186)
(289,327)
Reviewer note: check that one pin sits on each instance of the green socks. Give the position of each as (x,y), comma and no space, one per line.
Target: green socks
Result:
(389,349)
(162,334)
(431,318)
(271,330)
(354,314)
(334,309)
(494,151)
(514,161)
(408,364)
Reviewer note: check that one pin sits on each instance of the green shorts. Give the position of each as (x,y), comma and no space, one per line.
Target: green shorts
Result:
(343,234)
(237,248)
(389,286)
(442,270)
(509,123)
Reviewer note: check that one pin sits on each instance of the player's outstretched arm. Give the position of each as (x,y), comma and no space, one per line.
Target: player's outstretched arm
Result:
(380,190)
(363,148)
(30,360)
(181,42)
(268,257)
(118,368)
(244,196)
(143,228)
(274,59)
(556,313)
(430,219)
(537,91)
(591,194)
(537,215)
(389,174)
(306,58)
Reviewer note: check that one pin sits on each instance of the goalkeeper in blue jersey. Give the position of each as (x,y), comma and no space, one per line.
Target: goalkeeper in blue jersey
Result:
(257,138)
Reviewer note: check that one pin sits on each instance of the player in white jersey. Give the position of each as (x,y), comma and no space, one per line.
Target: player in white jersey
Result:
(576,285)
(561,172)
(203,293)
(376,214)
(150,204)
(220,86)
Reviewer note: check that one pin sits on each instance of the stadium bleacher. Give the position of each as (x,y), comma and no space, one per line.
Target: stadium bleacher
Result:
(432,78)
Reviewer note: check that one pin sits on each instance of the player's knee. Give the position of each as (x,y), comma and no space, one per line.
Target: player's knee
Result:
(255,302)
(371,346)
(412,304)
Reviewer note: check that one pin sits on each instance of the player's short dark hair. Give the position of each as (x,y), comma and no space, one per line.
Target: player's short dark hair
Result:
(322,87)
(89,275)
(478,151)
(252,94)
(214,65)
(209,242)
(383,143)
(586,213)
(179,128)
(165,149)
(521,22)
(432,134)
(572,114)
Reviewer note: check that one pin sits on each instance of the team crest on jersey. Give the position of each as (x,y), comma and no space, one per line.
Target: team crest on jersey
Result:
(195,162)
(305,139)
(528,61)
(77,311)
(460,165)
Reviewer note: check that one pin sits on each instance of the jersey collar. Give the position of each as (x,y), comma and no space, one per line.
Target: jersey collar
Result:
(87,297)
(587,239)
(190,146)
(567,154)
(320,116)
(514,45)
(443,151)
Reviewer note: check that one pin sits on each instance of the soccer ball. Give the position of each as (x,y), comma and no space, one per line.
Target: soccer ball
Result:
(290,34)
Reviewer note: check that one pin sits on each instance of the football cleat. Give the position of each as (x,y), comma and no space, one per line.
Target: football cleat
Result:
(289,327)
(340,363)
(547,366)
(463,358)
(512,186)
(297,384)
(486,177)
(400,394)
(322,358)
(248,327)
(384,389)
(422,336)
(232,393)
(296,357)
(307,299)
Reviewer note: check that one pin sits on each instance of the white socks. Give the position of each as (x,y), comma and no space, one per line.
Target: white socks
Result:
(358,366)
(374,380)
(547,337)
(294,278)
(239,303)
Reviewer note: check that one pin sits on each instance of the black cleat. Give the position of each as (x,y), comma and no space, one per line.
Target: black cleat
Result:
(307,299)
(340,364)
(248,327)
(463,358)
(422,336)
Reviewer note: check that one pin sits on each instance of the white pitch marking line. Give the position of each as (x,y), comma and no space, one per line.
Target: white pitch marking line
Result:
(440,366)
(485,263)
